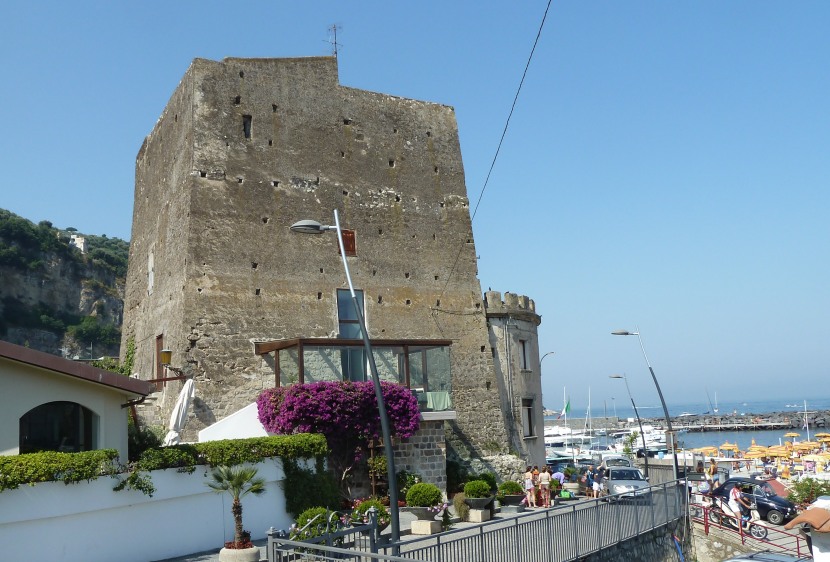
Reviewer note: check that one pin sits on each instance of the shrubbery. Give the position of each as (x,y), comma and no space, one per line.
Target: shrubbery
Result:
(510,488)
(424,494)
(50,466)
(477,489)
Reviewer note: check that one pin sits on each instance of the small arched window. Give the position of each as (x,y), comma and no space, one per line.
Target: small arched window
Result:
(57,426)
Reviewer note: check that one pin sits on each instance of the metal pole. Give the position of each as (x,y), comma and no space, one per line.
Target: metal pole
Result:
(384,418)
(665,409)
(639,423)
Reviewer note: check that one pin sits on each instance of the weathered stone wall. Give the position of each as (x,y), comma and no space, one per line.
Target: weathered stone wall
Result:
(425,453)
(245,148)
(514,341)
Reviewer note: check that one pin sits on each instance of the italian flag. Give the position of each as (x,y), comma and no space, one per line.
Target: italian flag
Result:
(565,410)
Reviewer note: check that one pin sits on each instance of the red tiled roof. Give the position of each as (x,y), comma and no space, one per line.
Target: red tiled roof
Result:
(73,369)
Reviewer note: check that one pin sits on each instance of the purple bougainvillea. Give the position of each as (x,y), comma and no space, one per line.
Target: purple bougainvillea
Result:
(345,412)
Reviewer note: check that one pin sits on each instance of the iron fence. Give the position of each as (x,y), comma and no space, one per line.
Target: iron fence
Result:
(774,538)
(564,533)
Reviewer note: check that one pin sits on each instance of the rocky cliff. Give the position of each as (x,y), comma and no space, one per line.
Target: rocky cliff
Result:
(61,291)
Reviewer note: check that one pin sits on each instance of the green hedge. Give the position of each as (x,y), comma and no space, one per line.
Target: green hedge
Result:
(51,466)
(75,467)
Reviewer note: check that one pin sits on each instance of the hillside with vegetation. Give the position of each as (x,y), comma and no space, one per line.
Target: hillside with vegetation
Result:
(58,295)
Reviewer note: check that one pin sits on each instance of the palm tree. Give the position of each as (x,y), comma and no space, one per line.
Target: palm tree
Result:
(238,481)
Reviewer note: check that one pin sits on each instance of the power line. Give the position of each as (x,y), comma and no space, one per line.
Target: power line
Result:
(501,141)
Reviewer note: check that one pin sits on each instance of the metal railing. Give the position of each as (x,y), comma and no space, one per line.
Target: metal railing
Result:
(564,533)
(776,538)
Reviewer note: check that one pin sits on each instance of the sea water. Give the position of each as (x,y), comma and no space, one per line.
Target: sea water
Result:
(652,414)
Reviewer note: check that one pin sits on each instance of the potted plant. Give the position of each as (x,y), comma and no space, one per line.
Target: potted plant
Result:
(510,493)
(360,513)
(477,494)
(425,500)
(238,481)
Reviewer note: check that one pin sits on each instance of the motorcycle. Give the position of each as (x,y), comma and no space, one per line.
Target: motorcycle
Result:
(721,514)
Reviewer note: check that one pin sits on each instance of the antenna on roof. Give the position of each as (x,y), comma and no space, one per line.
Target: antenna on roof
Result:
(333,38)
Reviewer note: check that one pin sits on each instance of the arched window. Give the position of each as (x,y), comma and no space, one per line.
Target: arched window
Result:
(57,426)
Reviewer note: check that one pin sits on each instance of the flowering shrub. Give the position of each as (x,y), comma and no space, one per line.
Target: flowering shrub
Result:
(360,515)
(346,413)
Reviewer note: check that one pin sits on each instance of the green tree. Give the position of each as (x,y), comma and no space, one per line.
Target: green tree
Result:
(628,443)
(238,481)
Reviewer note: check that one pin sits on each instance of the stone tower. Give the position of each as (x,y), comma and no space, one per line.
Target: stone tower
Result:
(244,149)
(514,342)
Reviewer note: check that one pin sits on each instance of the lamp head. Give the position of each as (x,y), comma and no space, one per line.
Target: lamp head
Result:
(616,376)
(310,227)
(165,356)
(624,333)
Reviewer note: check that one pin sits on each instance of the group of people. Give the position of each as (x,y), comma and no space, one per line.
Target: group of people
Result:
(536,480)
(595,481)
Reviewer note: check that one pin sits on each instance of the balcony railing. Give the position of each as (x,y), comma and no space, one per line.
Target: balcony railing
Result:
(421,365)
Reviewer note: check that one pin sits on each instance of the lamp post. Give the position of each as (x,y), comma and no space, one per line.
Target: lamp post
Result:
(314,227)
(660,394)
(636,413)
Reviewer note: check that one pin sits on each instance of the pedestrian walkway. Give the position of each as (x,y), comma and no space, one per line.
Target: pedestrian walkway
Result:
(406,520)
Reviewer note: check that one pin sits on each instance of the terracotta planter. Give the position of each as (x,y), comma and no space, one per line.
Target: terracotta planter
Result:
(422,513)
(239,554)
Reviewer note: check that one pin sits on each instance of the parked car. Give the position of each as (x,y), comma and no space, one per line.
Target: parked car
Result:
(771,506)
(628,483)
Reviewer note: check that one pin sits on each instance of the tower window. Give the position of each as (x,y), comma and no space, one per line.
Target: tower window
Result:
(246,125)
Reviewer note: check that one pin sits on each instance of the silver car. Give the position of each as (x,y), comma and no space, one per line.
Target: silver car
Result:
(628,483)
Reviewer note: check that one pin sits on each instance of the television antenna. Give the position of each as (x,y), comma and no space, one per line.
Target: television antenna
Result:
(332,40)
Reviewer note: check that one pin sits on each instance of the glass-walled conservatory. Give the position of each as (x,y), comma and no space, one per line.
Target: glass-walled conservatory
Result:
(421,365)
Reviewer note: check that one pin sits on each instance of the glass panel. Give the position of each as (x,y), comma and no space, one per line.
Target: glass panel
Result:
(389,361)
(322,364)
(66,427)
(353,362)
(289,366)
(430,378)
(350,331)
(345,306)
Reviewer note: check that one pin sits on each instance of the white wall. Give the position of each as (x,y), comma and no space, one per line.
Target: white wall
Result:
(89,522)
(23,387)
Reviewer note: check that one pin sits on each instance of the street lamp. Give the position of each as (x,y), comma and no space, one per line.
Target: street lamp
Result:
(660,394)
(314,227)
(636,413)
(543,358)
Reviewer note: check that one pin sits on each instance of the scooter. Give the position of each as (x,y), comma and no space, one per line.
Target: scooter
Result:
(722,514)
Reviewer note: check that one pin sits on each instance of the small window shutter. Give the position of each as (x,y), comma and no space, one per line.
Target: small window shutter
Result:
(349,243)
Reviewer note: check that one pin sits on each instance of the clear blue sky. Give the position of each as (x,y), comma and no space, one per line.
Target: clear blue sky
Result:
(666,166)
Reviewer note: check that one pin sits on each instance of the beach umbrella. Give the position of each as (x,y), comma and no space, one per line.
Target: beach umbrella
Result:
(814,458)
(729,446)
(756,455)
(823,434)
(178,416)
(792,434)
